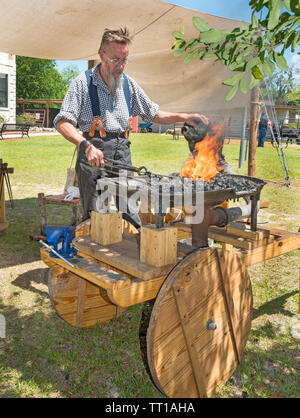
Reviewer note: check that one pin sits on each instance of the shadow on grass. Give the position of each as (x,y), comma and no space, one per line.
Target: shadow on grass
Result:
(275,306)
(28,280)
(43,356)
(16,246)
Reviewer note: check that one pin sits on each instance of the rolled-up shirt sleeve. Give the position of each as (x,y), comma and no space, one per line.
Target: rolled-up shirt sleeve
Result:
(71,106)
(141,104)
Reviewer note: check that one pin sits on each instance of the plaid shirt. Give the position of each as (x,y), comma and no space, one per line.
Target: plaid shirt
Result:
(76,106)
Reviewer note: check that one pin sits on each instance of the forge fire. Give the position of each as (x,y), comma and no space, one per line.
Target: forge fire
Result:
(205,161)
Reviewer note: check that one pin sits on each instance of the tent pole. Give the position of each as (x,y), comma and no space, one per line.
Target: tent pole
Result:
(244,124)
(254,112)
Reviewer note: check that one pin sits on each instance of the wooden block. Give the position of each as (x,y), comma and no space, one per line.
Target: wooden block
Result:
(158,246)
(106,228)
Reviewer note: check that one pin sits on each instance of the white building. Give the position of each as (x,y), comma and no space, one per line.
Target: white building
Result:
(8,87)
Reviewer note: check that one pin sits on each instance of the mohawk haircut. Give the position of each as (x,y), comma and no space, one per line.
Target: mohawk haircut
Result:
(121,36)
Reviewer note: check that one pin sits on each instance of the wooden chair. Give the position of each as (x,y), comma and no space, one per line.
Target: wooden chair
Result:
(43,201)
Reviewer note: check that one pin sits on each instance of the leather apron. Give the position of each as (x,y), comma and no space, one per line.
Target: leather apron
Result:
(115,147)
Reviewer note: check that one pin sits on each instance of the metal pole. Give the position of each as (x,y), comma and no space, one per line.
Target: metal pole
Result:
(243,137)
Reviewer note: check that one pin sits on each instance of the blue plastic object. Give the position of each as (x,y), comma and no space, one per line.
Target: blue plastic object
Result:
(60,238)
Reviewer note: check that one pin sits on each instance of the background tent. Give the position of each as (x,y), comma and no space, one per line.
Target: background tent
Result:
(72,29)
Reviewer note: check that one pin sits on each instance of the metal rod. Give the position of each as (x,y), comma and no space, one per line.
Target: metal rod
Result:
(243,137)
(56,253)
(254,211)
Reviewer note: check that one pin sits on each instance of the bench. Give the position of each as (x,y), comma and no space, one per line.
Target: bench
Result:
(14,127)
(177,130)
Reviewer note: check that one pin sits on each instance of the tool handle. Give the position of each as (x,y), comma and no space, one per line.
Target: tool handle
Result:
(56,253)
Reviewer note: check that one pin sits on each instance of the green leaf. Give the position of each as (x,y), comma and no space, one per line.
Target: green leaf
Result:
(213,35)
(275,10)
(232,92)
(182,29)
(287,4)
(252,63)
(254,82)
(195,44)
(190,56)
(245,26)
(267,69)
(290,39)
(179,52)
(177,44)
(281,61)
(178,35)
(201,54)
(295,7)
(254,21)
(257,73)
(295,42)
(243,86)
(200,24)
(237,67)
(209,56)
(232,81)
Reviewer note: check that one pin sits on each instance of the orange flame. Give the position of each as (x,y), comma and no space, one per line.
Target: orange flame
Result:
(204,163)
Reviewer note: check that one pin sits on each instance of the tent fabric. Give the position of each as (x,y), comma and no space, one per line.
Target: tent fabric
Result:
(72,30)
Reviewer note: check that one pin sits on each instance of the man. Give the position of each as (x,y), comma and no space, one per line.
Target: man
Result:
(262,129)
(105,136)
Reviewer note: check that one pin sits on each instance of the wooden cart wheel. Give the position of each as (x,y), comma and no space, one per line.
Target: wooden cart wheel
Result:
(200,323)
(79,302)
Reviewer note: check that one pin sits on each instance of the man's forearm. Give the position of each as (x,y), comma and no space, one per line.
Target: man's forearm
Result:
(68,130)
(168,118)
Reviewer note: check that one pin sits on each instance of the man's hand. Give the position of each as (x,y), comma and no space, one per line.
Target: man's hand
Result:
(94,156)
(192,119)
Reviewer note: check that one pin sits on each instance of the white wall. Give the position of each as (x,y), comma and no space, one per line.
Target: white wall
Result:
(8,66)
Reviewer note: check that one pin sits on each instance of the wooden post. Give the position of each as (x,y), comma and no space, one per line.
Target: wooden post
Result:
(47,110)
(106,228)
(254,112)
(91,64)
(3,222)
(158,245)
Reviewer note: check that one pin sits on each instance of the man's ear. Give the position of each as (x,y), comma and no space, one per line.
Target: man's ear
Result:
(101,54)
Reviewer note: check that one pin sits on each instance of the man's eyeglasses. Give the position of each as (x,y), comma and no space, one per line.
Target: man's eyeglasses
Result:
(118,61)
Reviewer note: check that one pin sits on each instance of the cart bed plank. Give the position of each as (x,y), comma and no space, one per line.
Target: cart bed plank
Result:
(88,270)
(123,255)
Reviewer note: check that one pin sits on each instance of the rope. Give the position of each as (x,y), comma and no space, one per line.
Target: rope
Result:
(155,20)
(73,156)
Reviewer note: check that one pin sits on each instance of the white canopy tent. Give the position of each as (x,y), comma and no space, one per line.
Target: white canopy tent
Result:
(72,30)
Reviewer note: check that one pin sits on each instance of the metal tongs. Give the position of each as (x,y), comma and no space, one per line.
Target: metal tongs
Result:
(141,171)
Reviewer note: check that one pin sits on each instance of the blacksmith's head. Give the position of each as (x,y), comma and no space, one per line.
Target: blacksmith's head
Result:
(113,52)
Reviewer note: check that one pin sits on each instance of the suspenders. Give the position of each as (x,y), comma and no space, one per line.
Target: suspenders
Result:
(96,108)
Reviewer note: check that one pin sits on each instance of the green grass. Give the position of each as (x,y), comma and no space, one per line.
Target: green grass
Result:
(43,356)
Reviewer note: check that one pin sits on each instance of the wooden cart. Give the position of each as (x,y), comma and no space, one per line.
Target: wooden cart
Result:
(202,312)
